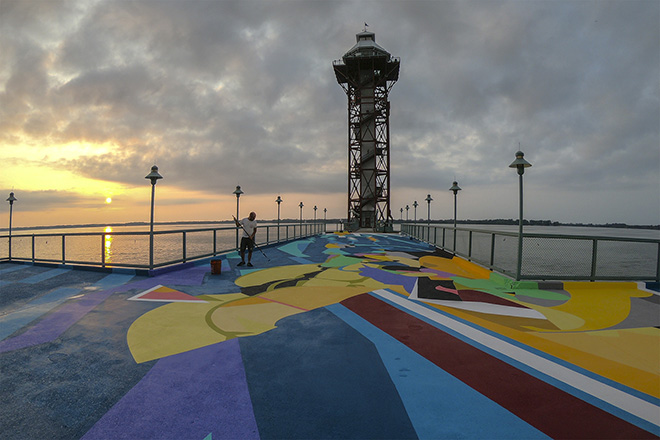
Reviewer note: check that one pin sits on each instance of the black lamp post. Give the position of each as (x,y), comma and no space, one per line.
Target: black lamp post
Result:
(301,207)
(520,164)
(415,204)
(11,201)
(428,200)
(153,176)
(238,193)
(407,208)
(279,200)
(455,188)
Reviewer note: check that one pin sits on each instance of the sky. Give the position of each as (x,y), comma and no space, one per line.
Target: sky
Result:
(225,93)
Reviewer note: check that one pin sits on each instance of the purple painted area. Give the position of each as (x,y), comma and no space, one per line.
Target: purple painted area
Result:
(386,277)
(53,325)
(188,395)
(439,273)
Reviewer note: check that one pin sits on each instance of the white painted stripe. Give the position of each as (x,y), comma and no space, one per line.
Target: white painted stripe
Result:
(481,307)
(618,398)
(137,297)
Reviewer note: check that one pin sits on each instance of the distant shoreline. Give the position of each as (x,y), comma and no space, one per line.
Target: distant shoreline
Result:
(292,220)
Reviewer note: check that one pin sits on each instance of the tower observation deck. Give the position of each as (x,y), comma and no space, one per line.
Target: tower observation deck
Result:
(367,73)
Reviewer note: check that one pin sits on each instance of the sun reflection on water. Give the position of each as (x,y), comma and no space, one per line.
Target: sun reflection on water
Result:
(107,245)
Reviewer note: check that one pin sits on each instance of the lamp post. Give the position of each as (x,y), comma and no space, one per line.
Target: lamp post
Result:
(301,207)
(520,164)
(153,176)
(238,193)
(11,201)
(415,204)
(279,200)
(315,208)
(401,217)
(456,189)
(325,219)
(428,215)
(407,208)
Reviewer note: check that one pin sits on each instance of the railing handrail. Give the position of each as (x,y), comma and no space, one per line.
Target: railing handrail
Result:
(423,232)
(300,230)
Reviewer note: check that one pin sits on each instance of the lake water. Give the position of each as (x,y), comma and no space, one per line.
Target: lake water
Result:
(565,256)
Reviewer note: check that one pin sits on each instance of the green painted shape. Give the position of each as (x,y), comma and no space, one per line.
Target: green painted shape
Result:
(209,437)
(334,251)
(504,287)
(341,261)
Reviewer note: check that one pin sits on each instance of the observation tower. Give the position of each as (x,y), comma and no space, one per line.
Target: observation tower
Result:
(367,73)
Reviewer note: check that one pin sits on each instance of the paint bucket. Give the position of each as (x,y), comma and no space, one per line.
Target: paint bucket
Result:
(216,267)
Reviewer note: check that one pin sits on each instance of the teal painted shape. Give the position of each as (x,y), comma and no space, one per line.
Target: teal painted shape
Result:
(209,437)
(430,394)
(12,268)
(296,248)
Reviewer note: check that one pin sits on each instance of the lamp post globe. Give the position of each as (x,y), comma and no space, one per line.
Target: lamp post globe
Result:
(520,164)
(153,176)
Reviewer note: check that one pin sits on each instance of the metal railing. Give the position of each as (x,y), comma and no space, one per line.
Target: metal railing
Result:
(548,256)
(132,250)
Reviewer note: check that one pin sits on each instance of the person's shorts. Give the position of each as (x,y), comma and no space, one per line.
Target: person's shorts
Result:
(247,243)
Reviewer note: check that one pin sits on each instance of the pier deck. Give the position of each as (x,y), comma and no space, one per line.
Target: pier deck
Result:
(337,336)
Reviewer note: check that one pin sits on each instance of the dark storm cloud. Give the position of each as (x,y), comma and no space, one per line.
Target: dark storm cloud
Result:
(229,91)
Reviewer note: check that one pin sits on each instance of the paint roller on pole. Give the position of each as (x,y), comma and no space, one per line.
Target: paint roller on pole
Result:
(248,235)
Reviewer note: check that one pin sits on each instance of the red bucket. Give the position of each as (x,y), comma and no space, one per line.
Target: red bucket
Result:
(216,267)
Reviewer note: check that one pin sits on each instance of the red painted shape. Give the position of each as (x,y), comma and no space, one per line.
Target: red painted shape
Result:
(169,296)
(549,409)
(477,296)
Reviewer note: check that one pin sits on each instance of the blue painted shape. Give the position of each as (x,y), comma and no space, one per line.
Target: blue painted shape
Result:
(12,268)
(34,279)
(431,395)
(4,283)
(14,321)
(314,376)
(113,280)
(387,277)
(185,396)
(302,260)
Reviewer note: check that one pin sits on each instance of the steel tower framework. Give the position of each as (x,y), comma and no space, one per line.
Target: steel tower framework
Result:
(367,73)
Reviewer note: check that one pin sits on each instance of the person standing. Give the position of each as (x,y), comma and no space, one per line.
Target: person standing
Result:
(249,225)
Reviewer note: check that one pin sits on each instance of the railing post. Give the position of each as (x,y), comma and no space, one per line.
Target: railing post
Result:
(492,250)
(657,271)
(184,246)
(594,256)
(470,247)
(102,250)
(267,234)
(63,249)
(444,230)
(435,235)
(215,237)
(32,248)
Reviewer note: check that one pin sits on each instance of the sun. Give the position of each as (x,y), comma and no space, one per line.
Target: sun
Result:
(108,200)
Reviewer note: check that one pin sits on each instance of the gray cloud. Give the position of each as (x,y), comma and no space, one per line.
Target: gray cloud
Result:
(243,91)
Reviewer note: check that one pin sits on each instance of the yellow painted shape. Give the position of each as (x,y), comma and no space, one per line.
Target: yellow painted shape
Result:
(638,348)
(332,246)
(456,266)
(614,369)
(310,298)
(353,267)
(252,319)
(563,321)
(600,305)
(278,273)
(170,329)
(338,275)
(251,300)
